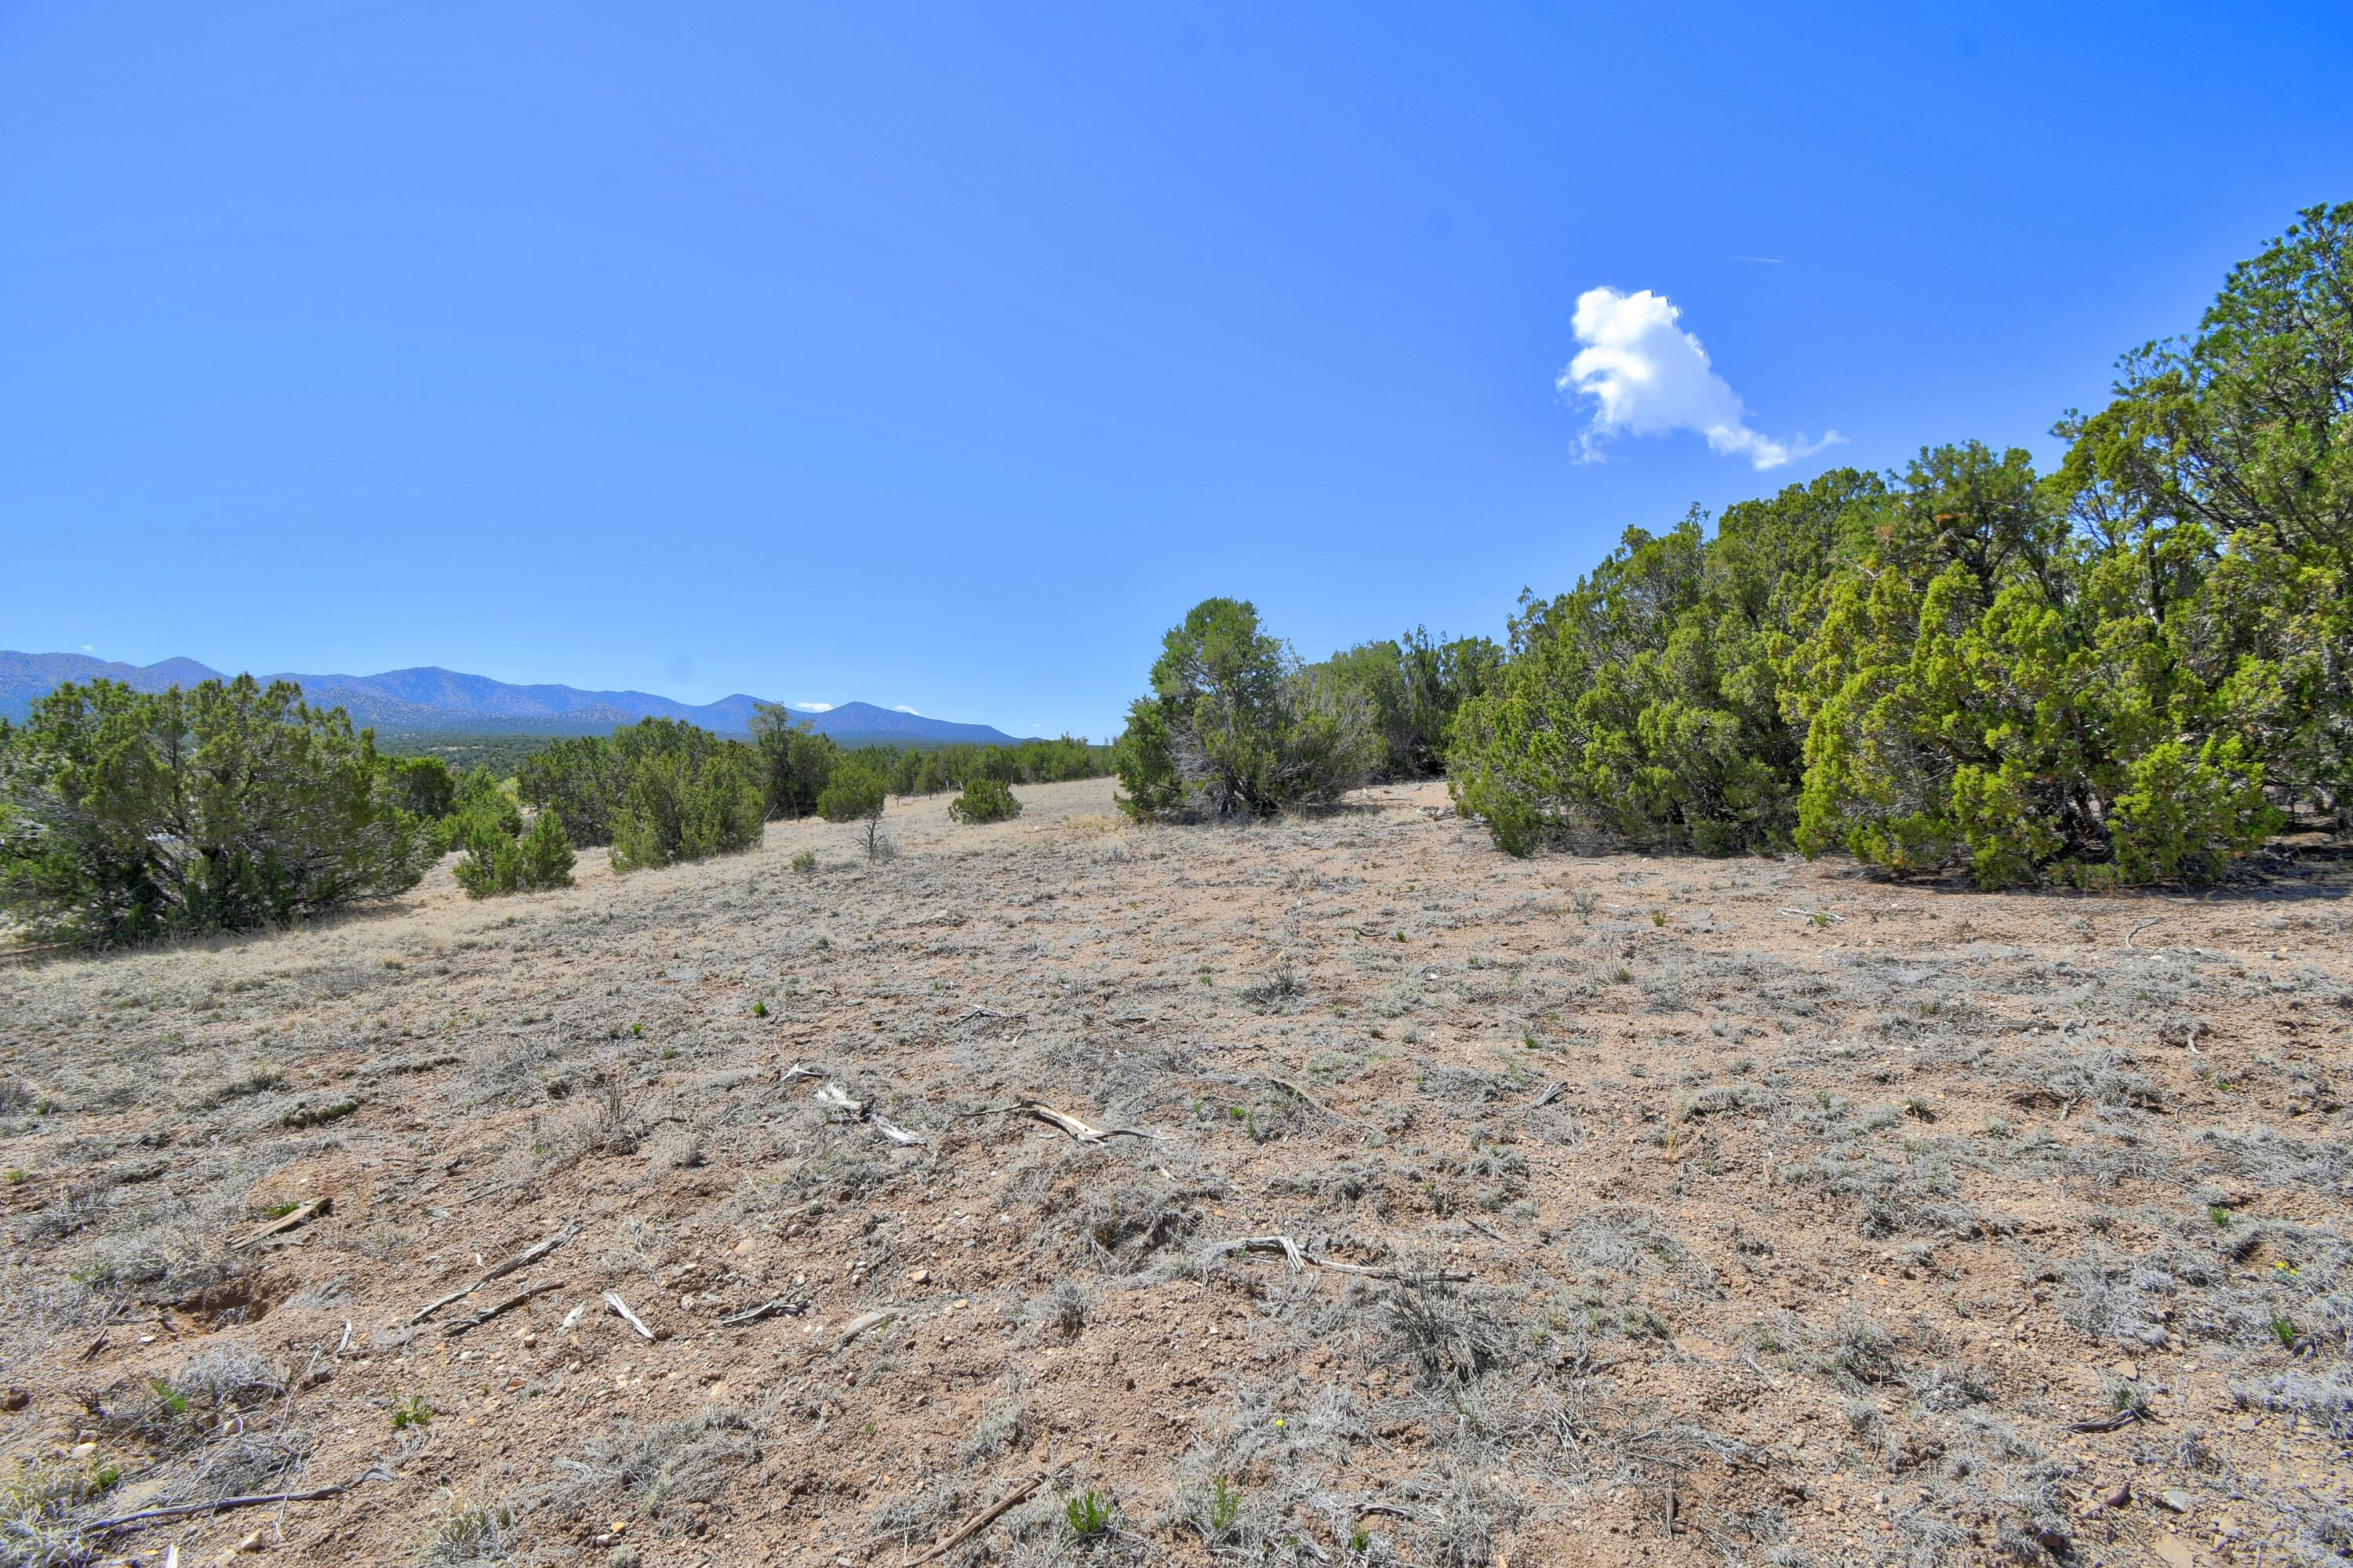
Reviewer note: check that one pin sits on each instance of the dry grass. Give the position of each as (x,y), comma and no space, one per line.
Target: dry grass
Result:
(1824,1236)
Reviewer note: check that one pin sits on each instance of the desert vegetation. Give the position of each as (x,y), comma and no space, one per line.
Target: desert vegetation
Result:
(2134,669)
(127,816)
(2130,669)
(1148,1194)
(1911,1129)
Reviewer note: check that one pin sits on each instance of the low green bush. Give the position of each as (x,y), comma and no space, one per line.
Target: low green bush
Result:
(985,800)
(128,816)
(496,862)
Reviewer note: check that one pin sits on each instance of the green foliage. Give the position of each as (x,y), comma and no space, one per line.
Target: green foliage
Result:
(686,803)
(1235,726)
(497,862)
(1089,1514)
(584,779)
(478,805)
(985,800)
(2218,486)
(1643,704)
(795,763)
(2130,671)
(675,789)
(420,786)
(503,754)
(127,816)
(929,769)
(857,790)
(1225,1508)
(1415,688)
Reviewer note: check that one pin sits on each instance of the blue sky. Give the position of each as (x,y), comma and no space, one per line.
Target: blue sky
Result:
(943,355)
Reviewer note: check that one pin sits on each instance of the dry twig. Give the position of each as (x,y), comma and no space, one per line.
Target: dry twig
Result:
(286,1222)
(182,1510)
(1311,1102)
(509,1305)
(621,1309)
(521,1260)
(981,1521)
(859,1325)
(789,1305)
(833,1097)
(1299,1258)
(1073,1126)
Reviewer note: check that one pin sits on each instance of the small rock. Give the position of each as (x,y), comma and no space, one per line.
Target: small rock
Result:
(2128,1371)
(2174,1501)
(919,1276)
(2174,1551)
(13,1400)
(2120,1497)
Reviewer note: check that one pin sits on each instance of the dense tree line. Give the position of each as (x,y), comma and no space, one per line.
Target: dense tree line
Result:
(2130,669)
(502,753)
(1237,724)
(656,791)
(930,769)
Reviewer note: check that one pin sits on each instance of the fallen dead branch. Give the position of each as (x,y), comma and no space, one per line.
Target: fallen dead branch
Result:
(787,1306)
(2139,928)
(1311,1102)
(532,1254)
(981,1521)
(285,1222)
(1299,1258)
(859,1325)
(182,1510)
(509,1305)
(972,1012)
(521,1260)
(2120,1420)
(1073,1126)
(833,1097)
(1553,1091)
(621,1309)
(1818,916)
(796,1072)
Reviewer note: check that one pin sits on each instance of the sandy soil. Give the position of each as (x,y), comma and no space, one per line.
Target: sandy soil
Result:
(1649,1208)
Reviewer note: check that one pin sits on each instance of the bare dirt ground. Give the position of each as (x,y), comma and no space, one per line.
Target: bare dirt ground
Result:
(1648,1209)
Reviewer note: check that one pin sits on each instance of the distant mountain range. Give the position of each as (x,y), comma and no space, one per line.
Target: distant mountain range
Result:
(437,699)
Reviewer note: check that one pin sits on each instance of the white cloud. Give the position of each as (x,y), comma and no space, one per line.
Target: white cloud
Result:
(905,710)
(1647,376)
(90,648)
(815,707)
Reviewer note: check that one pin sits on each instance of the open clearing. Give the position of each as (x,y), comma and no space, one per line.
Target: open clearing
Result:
(1693,1211)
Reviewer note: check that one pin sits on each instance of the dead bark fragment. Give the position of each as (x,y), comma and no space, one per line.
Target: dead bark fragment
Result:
(286,1222)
